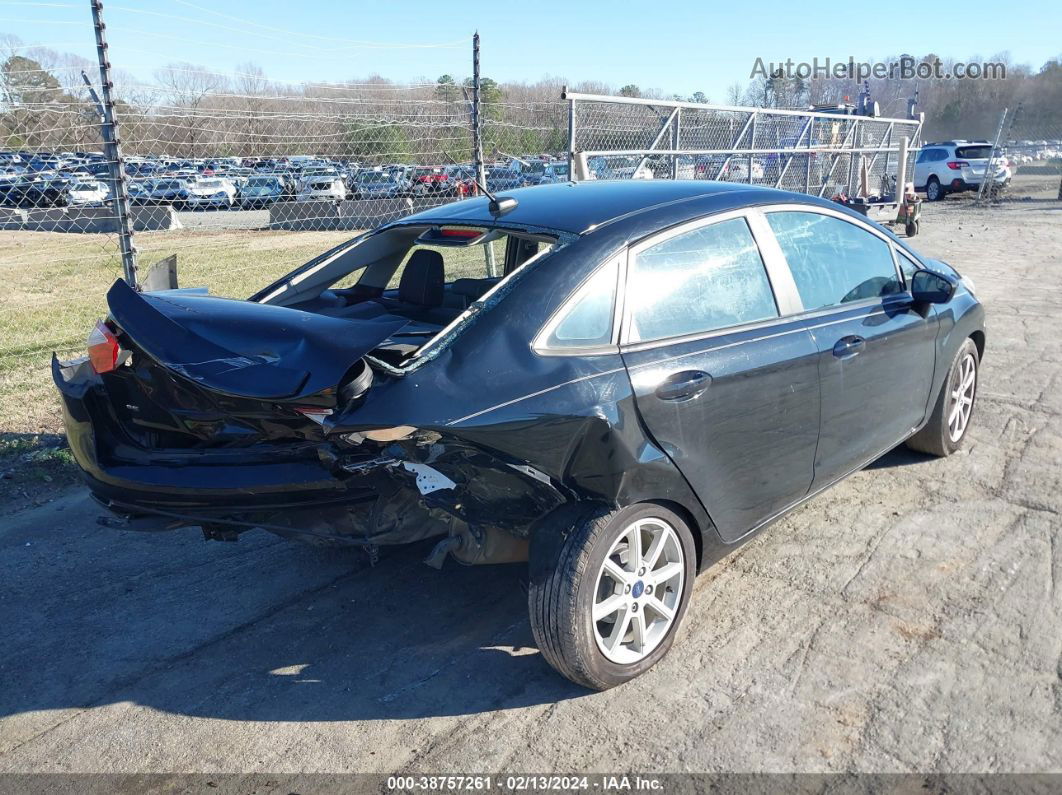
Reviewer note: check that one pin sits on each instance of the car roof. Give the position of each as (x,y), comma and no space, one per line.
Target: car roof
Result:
(578,206)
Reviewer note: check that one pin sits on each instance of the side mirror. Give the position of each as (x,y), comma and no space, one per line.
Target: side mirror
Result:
(930,287)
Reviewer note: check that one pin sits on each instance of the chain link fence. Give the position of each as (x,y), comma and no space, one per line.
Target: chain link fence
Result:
(240,176)
(1031,152)
(58,226)
(243,176)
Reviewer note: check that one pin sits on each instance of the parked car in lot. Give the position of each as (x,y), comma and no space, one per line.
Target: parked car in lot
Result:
(501,178)
(85,193)
(429,180)
(260,192)
(462,180)
(619,167)
(379,185)
(545,172)
(955,166)
(662,369)
(139,190)
(739,169)
(37,192)
(210,192)
(168,191)
(322,188)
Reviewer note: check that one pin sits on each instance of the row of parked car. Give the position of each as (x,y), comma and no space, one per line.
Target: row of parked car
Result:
(42,179)
(83,178)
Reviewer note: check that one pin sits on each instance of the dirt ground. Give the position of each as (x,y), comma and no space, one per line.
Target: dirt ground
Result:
(909,619)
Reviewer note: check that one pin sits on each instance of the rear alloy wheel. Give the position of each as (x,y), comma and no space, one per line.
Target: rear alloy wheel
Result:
(607,596)
(638,589)
(934,190)
(947,426)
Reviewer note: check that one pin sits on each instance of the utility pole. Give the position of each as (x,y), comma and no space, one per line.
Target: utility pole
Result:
(112,149)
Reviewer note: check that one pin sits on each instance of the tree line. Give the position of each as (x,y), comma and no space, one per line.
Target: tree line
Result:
(187,110)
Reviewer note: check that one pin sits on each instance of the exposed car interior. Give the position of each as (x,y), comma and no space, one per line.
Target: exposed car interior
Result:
(428,275)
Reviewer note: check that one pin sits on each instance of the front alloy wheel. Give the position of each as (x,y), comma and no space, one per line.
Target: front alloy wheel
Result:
(608,590)
(946,428)
(962,396)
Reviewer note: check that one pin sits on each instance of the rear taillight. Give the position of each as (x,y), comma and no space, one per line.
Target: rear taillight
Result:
(102,348)
(956,165)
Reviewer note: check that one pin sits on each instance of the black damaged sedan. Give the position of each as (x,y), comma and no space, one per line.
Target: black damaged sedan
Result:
(615,381)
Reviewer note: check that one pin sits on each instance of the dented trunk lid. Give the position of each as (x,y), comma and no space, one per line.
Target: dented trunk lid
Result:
(243,348)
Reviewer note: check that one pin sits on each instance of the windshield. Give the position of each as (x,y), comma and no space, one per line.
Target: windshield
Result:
(378,177)
(210,183)
(263,182)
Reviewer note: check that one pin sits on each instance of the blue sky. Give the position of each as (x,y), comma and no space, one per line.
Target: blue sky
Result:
(678,47)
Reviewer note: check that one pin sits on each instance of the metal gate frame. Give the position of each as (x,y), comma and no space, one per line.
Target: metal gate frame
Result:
(874,143)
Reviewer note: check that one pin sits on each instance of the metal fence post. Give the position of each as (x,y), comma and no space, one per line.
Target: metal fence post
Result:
(477,141)
(112,150)
(571,136)
(676,137)
(901,168)
(854,159)
(810,156)
(752,145)
(989,176)
(477,124)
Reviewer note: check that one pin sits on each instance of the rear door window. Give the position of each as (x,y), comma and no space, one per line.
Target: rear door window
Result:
(703,280)
(973,152)
(834,261)
(587,318)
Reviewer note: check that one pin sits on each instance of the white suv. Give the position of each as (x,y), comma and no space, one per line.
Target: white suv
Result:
(953,166)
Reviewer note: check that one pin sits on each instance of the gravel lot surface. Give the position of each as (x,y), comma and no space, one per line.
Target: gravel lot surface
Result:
(908,619)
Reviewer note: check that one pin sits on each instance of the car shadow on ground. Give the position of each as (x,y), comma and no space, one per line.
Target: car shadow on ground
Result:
(899,457)
(279,632)
(399,640)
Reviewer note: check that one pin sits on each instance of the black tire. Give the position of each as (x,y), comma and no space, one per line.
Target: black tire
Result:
(936,437)
(911,228)
(934,190)
(567,552)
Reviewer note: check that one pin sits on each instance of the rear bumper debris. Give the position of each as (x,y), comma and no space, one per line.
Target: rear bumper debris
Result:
(320,491)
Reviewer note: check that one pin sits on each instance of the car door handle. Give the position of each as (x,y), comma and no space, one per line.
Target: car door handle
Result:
(683,386)
(849,346)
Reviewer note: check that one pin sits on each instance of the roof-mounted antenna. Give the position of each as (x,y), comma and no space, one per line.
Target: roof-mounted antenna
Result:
(497,206)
